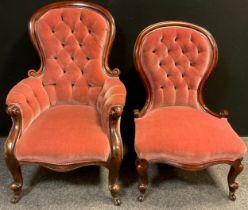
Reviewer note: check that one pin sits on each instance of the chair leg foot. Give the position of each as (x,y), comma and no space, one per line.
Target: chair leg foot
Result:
(114,187)
(141,197)
(232,196)
(141,168)
(114,190)
(17,184)
(15,170)
(17,189)
(117,201)
(235,170)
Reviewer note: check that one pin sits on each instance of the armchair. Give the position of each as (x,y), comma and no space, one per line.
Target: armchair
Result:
(67,114)
(175,127)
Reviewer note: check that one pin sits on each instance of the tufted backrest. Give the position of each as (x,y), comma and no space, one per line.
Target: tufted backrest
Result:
(174,58)
(73,41)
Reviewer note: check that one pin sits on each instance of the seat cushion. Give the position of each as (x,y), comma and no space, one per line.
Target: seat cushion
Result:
(64,134)
(184,135)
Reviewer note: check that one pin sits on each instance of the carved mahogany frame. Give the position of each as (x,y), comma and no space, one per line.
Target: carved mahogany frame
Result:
(142,164)
(115,158)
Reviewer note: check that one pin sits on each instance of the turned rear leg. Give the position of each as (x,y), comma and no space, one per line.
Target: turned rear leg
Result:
(235,170)
(141,168)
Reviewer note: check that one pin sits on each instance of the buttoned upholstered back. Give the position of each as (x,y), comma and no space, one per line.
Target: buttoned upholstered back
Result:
(174,58)
(73,42)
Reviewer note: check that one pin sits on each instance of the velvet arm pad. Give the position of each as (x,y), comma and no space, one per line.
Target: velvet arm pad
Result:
(31,98)
(113,94)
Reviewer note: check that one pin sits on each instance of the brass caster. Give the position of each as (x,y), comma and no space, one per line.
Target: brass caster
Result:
(232,196)
(233,187)
(15,199)
(117,201)
(17,189)
(141,197)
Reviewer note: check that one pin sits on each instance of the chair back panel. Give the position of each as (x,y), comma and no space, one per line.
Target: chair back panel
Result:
(174,59)
(73,41)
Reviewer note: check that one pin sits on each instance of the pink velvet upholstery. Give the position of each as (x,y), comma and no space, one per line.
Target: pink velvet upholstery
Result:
(31,97)
(65,110)
(64,134)
(184,135)
(73,40)
(175,59)
(112,93)
(176,129)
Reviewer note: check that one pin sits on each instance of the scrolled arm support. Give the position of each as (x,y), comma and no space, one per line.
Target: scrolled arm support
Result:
(15,113)
(112,95)
(116,112)
(13,110)
(115,137)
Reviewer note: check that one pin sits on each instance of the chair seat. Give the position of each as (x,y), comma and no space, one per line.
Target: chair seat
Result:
(64,134)
(184,135)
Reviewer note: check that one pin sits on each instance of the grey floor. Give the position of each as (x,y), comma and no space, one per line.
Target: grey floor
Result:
(86,188)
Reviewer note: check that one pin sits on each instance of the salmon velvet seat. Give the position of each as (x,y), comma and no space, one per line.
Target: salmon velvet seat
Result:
(183,135)
(67,114)
(74,136)
(175,127)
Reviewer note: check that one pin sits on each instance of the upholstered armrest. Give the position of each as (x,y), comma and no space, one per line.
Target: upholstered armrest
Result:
(112,95)
(31,99)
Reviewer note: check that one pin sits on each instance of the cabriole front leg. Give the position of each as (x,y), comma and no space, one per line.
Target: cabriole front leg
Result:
(114,187)
(235,170)
(10,158)
(141,168)
(116,153)
(16,173)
